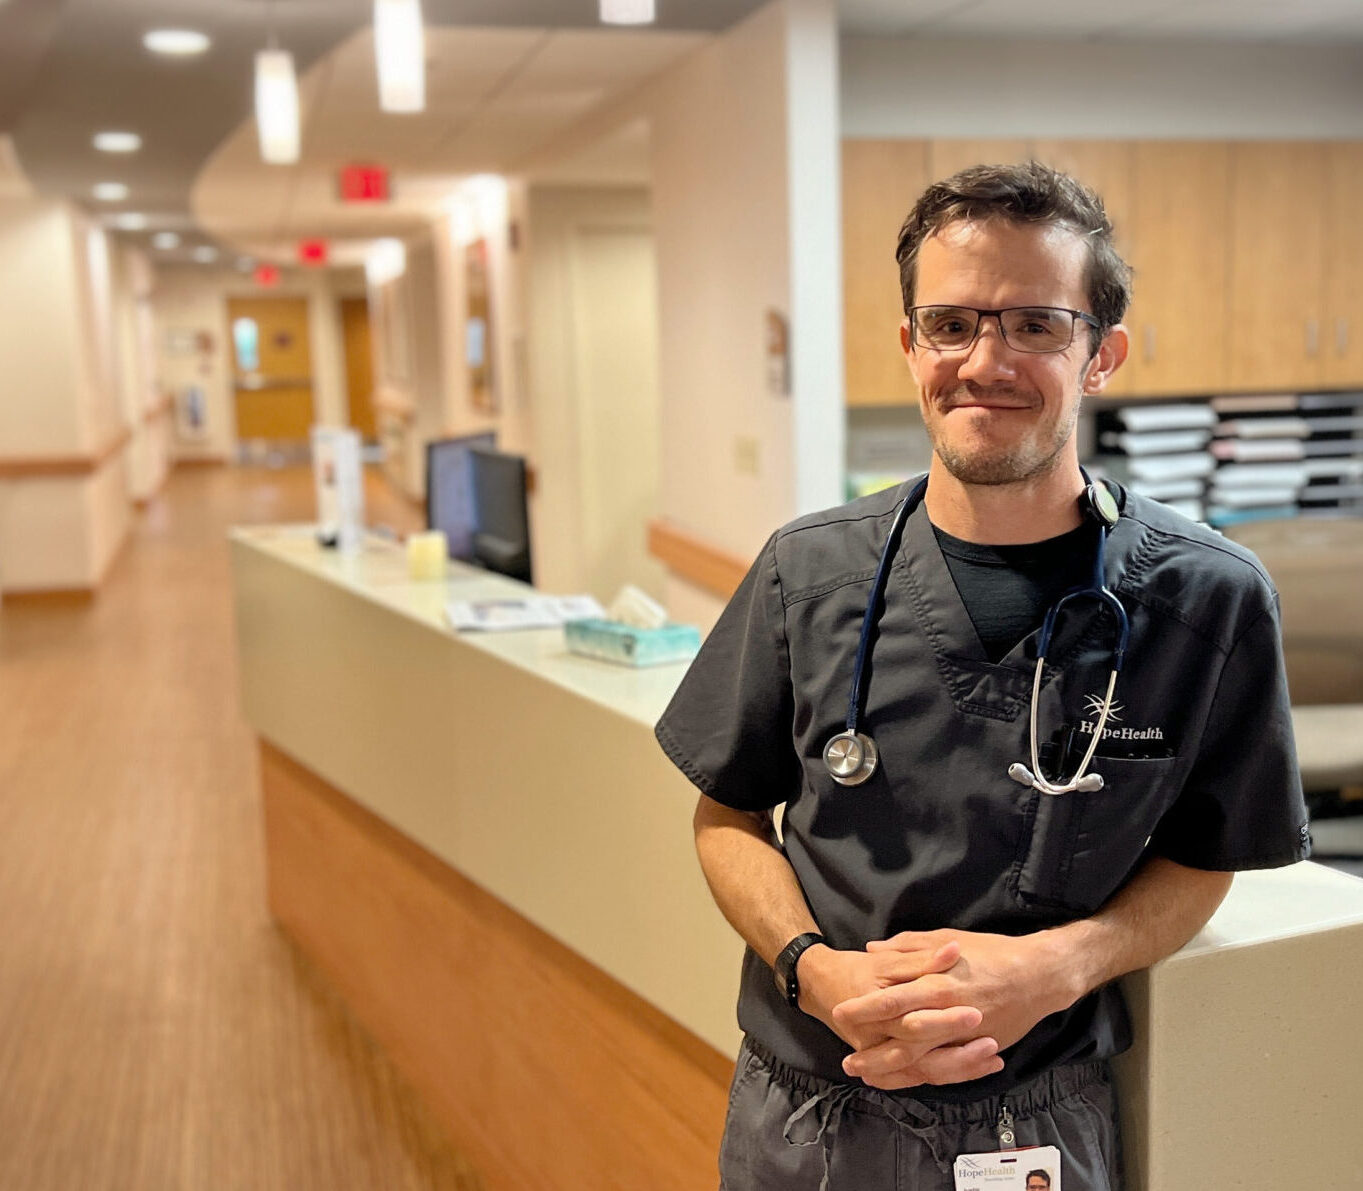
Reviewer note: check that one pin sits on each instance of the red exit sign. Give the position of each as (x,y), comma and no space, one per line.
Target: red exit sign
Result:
(364,184)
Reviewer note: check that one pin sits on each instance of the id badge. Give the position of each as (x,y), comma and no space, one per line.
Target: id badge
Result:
(1034,1169)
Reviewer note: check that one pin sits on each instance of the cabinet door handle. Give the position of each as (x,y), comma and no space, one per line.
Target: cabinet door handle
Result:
(1149,347)
(1341,336)
(1312,336)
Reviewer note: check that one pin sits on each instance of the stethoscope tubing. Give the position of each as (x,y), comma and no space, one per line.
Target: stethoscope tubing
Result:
(851,756)
(861,675)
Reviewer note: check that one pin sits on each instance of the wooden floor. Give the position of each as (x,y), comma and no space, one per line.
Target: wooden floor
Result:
(156,1029)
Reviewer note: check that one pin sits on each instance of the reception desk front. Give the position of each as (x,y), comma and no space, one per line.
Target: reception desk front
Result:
(477,840)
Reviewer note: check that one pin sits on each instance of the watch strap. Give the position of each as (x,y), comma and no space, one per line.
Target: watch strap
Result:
(787,977)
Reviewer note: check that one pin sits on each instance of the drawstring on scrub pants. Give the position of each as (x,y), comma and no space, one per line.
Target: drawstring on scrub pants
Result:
(826,1110)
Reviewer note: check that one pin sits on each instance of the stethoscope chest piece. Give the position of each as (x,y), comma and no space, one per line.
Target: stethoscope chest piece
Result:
(850,758)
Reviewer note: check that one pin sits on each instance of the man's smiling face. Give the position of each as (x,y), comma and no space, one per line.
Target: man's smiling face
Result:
(997,415)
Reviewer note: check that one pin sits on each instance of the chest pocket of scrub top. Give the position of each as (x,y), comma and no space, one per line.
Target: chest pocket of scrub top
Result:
(1077,849)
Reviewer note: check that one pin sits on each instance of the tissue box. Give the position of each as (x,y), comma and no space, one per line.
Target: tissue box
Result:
(612,641)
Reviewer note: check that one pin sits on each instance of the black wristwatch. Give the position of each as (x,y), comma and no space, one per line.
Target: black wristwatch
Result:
(787,981)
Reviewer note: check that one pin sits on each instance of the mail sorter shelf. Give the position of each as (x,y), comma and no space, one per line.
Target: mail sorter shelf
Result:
(1233,459)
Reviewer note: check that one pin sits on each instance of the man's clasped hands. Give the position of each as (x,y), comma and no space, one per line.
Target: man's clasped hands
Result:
(933,1007)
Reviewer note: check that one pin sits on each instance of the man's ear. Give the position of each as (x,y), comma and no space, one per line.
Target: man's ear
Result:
(906,346)
(1106,360)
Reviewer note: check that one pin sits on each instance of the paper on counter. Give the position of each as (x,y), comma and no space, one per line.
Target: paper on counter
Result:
(524,612)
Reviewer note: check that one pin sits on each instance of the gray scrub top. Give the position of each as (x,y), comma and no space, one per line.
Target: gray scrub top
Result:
(1198,759)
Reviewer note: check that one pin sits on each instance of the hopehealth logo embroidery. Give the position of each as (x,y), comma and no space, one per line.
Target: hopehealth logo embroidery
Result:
(1093,705)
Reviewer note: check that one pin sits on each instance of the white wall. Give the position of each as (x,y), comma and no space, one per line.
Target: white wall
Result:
(814,138)
(900,86)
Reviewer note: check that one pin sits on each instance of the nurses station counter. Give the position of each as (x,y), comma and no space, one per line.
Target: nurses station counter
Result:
(477,841)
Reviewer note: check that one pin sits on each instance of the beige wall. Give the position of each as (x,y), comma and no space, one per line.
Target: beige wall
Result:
(140,399)
(60,400)
(191,301)
(744,211)
(594,393)
(40,343)
(430,298)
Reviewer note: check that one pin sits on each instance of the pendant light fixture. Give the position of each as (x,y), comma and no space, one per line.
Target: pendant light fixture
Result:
(277,107)
(628,12)
(276,99)
(400,51)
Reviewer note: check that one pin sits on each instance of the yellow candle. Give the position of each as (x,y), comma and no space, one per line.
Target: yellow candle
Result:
(426,555)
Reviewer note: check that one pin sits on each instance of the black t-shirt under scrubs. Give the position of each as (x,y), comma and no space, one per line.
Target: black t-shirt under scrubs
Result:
(1197,756)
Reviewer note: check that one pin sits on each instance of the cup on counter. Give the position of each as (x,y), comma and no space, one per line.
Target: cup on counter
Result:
(427,554)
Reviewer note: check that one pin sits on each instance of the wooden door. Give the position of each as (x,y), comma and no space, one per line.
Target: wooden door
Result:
(1180,201)
(273,383)
(359,366)
(1342,326)
(881,180)
(1105,167)
(1277,265)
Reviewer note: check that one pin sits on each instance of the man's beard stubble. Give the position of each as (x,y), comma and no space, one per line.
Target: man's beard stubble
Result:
(1014,466)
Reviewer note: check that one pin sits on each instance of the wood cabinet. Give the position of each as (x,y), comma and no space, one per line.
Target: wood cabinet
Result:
(949,157)
(1105,167)
(1342,308)
(880,181)
(1277,266)
(1178,253)
(1245,257)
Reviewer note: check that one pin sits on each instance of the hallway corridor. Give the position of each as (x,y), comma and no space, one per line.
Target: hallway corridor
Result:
(157,1032)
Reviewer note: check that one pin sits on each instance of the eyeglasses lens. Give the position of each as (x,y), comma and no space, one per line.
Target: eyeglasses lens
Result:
(1025,328)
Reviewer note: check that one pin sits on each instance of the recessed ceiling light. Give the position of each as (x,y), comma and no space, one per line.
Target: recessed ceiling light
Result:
(130,221)
(118,142)
(166,240)
(627,12)
(178,42)
(110,192)
(205,254)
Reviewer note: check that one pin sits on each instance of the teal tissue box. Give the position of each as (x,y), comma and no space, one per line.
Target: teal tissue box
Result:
(612,641)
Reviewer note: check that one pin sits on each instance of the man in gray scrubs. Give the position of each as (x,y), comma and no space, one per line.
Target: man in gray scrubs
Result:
(931,952)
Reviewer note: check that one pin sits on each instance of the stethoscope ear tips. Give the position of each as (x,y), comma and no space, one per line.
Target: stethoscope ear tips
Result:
(850,758)
(1090,783)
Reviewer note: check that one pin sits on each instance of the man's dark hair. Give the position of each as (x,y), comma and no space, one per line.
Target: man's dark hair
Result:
(1038,1174)
(1026,193)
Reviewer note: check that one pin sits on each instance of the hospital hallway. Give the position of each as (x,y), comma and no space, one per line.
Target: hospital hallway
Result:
(157,1031)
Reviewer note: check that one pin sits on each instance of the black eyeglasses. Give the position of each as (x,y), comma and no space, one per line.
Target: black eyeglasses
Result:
(1024,328)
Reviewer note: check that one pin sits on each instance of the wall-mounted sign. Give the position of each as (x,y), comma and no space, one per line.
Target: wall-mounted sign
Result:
(363,184)
(778,354)
(478,341)
(266,275)
(312,252)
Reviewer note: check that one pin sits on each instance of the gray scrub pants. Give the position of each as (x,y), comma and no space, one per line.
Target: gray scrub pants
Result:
(789,1131)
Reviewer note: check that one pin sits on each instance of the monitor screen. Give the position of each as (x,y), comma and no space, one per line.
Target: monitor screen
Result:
(501,541)
(450,500)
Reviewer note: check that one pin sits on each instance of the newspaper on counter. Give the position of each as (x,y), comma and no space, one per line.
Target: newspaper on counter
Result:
(519,612)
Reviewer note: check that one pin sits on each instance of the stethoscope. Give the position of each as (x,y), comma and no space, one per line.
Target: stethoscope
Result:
(851,756)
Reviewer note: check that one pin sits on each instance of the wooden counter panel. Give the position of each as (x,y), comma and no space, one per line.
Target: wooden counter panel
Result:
(552,1074)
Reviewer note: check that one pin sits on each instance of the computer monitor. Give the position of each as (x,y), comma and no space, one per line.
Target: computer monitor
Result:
(450,501)
(501,541)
